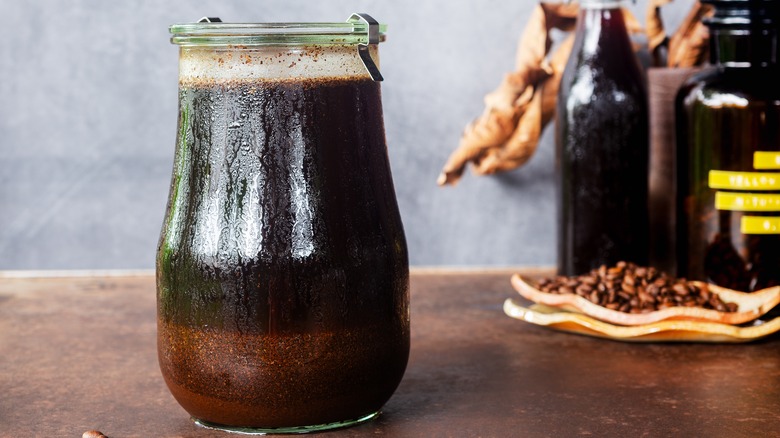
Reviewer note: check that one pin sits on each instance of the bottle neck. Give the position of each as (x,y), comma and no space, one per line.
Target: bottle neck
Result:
(744,47)
(744,33)
(601,26)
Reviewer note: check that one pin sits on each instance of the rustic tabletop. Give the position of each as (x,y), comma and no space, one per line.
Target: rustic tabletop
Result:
(79,353)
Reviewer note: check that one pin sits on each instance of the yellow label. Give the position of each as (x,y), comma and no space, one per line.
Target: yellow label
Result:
(722,179)
(746,201)
(748,183)
(760,225)
(766,160)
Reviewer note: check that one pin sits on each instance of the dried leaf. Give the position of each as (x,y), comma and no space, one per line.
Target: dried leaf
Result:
(532,48)
(689,45)
(480,135)
(656,33)
(561,16)
(505,105)
(522,144)
(513,90)
(632,23)
(507,133)
(524,139)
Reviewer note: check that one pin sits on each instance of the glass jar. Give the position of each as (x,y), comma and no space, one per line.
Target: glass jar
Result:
(601,146)
(282,266)
(728,153)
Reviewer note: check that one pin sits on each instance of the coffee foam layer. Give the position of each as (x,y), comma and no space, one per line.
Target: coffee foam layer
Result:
(200,66)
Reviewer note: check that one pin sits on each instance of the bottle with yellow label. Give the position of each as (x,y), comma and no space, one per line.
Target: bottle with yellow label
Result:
(728,152)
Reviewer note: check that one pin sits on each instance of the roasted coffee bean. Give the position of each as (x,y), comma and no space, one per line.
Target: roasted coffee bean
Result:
(583,290)
(680,289)
(652,272)
(565,290)
(628,288)
(653,290)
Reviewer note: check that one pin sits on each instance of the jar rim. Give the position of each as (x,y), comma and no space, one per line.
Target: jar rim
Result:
(290,33)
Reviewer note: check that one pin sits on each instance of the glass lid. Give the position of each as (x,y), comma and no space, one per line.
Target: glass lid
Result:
(211,32)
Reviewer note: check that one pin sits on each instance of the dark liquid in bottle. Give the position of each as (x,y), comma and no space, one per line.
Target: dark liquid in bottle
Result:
(602,149)
(723,117)
(282,267)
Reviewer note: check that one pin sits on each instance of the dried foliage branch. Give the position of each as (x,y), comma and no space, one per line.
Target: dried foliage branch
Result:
(657,40)
(689,45)
(504,107)
(521,145)
(507,133)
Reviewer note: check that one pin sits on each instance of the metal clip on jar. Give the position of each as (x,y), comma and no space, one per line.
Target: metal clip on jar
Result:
(282,267)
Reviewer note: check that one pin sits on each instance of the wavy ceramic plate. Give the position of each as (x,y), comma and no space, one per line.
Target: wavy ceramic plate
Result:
(663,331)
(751,306)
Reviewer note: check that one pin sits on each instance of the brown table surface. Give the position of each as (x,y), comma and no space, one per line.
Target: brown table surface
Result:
(79,353)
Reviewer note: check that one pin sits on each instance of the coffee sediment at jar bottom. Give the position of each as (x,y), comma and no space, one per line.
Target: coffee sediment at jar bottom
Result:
(282,269)
(728,120)
(291,390)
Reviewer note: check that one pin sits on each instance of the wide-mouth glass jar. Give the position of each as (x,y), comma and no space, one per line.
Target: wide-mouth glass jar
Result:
(282,266)
(728,152)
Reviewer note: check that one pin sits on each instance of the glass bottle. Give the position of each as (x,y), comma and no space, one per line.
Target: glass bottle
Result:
(601,146)
(282,266)
(728,153)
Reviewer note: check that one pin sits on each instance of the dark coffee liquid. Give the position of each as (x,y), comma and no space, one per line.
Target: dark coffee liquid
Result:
(602,149)
(282,267)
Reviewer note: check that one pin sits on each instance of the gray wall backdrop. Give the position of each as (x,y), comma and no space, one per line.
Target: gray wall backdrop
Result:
(88,95)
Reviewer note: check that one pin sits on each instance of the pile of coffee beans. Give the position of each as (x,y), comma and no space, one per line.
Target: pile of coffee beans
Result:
(629,288)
